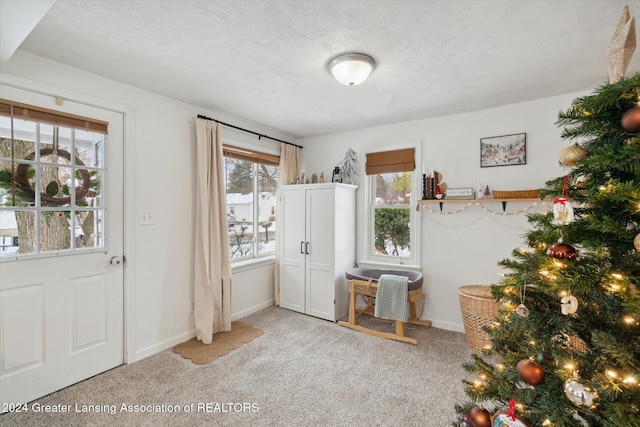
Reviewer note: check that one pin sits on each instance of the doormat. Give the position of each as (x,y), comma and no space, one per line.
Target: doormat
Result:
(223,342)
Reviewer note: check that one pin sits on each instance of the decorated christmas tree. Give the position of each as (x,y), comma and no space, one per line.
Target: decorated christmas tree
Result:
(565,349)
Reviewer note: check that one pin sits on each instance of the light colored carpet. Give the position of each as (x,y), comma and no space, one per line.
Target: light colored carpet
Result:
(221,344)
(302,372)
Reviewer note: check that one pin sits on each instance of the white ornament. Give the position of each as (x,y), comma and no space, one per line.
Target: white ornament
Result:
(522,310)
(580,394)
(504,420)
(562,211)
(569,304)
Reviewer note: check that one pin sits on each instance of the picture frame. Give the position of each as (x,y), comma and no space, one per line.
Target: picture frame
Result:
(503,150)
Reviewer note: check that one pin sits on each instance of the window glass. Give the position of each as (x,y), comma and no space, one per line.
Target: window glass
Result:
(251,197)
(42,188)
(267,186)
(391,228)
(239,185)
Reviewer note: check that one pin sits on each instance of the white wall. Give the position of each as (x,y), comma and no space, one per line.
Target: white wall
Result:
(160,165)
(456,250)
(464,248)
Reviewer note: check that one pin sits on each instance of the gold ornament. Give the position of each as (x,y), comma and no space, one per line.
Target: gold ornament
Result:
(621,47)
(572,155)
(636,242)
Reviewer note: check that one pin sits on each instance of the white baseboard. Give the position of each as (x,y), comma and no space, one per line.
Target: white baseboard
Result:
(157,348)
(449,326)
(251,310)
(440,324)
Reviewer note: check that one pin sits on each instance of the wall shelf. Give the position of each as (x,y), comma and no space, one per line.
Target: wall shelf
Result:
(472,201)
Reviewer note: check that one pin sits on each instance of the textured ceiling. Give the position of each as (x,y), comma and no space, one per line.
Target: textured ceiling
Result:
(265,60)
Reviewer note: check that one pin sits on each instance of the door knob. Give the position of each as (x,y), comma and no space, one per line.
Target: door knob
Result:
(116,260)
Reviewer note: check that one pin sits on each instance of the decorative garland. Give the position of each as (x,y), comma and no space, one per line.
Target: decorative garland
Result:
(22,179)
(484,208)
(428,209)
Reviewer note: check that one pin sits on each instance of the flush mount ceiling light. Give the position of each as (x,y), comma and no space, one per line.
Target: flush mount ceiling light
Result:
(351,69)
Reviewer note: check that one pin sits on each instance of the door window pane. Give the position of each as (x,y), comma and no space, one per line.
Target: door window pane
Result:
(89,148)
(55,186)
(9,232)
(24,134)
(50,196)
(88,229)
(55,231)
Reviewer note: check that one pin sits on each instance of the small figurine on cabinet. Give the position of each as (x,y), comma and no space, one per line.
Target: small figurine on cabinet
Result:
(336,175)
(321,179)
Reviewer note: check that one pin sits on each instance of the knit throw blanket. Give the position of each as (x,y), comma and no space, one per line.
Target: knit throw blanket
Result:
(391,297)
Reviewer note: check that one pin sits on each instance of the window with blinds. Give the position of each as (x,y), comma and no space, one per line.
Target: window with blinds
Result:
(251,181)
(390,178)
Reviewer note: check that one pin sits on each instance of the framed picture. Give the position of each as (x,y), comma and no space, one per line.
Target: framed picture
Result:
(503,150)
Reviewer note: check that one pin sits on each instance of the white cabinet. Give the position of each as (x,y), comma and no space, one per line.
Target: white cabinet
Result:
(318,232)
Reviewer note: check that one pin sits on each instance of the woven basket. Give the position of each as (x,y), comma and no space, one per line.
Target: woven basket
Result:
(370,288)
(515,194)
(478,310)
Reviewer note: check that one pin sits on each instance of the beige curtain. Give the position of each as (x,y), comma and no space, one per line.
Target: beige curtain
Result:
(287,173)
(212,284)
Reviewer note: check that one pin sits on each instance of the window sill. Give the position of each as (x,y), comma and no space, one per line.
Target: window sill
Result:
(386,265)
(251,264)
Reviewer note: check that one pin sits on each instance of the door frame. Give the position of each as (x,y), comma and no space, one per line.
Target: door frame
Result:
(128,183)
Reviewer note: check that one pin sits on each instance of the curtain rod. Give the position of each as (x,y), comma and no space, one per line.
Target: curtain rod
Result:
(260,136)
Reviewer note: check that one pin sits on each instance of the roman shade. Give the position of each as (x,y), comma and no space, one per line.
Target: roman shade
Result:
(391,161)
(250,156)
(57,118)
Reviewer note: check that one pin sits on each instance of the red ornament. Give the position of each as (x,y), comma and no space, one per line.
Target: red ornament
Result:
(480,417)
(530,372)
(631,120)
(562,250)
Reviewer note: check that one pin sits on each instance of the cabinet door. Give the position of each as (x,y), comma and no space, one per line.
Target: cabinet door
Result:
(292,259)
(320,235)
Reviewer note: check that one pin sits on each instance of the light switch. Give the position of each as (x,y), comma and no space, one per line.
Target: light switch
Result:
(147,218)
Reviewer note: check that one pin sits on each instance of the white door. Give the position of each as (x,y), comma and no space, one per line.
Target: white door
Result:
(293,246)
(61,311)
(319,275)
